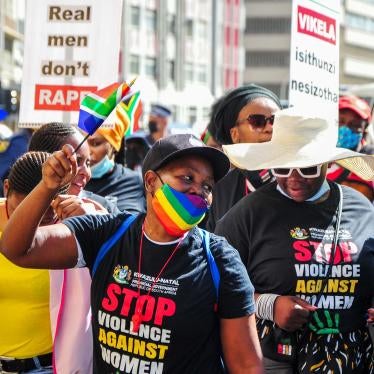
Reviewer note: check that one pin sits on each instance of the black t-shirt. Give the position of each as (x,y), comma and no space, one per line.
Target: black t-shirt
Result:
(123,184)
(231,188)
(286,248)
(180,330)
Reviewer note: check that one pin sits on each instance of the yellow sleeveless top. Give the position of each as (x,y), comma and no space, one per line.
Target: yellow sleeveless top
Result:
(25,329)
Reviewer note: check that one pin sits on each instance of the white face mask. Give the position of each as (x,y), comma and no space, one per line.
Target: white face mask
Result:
(102,167)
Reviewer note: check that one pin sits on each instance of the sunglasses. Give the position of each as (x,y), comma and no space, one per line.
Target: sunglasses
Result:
(257,121)
(310,172)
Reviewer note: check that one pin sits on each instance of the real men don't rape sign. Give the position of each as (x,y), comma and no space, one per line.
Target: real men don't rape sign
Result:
(71,48)
(314,56)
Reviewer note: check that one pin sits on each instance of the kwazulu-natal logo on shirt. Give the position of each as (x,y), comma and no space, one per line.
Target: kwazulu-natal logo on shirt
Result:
(122,274)
(298,233)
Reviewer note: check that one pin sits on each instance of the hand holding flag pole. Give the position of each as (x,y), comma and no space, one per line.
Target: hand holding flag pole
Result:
(97,106)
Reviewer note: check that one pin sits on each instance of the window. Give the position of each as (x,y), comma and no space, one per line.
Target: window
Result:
(21,26)
(276,88)
(171,23)
(171,70)
(135,16)
(270,58)
(134,64)
(236,37)
(206,113)
(192,114)
(268,25)
(189,27)
(202,29)
(202,73)
(150,67)
(9,8)
(227,78)
(150,20)
(188,69)
(359,22)
(8,44)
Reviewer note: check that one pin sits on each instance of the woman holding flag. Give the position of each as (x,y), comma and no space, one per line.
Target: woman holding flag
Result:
(166,296)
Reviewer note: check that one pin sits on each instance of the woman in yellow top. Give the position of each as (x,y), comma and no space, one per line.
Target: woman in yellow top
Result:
(26,342)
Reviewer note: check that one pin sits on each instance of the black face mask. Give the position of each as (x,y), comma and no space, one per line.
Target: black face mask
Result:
(153,126)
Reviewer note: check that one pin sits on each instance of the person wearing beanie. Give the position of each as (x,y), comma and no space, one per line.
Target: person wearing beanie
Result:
(243,115)
(354,120)
(115,182)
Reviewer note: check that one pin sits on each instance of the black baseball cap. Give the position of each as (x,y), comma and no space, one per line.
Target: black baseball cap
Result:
(176,146)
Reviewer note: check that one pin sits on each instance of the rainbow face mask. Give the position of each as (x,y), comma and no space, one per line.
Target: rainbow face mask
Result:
(178,212)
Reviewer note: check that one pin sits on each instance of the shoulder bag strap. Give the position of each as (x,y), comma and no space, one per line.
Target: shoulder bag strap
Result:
(211,262)
(111,241)
(334,243)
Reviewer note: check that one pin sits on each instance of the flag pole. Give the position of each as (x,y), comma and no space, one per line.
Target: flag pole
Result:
(81,143)
(88,135)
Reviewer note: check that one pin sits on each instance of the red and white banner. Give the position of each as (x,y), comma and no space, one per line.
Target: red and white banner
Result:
(71,48)
(314,57)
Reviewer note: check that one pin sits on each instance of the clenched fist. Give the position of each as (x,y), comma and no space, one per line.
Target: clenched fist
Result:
(60,168)
(291,312)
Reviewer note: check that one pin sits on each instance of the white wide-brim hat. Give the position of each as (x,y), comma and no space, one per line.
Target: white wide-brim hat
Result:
(299,141)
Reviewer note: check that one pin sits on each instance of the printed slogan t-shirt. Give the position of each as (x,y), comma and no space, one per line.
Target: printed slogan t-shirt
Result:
(179,331)
(286,247)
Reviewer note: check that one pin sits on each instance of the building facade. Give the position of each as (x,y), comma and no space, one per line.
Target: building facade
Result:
(357,42)
(267,43)
(185,52)
(12,15)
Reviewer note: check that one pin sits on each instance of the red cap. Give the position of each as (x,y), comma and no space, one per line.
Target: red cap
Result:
(356,104)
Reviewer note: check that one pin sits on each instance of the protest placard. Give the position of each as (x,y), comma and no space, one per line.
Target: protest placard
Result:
(314,57)
(71,48)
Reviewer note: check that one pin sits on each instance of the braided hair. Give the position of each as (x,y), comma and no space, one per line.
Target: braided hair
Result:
(26,173)
(51,137)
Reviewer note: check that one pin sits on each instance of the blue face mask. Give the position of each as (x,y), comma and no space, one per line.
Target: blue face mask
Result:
(348,139)
(102,167)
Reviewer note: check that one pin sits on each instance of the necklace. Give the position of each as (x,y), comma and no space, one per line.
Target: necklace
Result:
(137,317)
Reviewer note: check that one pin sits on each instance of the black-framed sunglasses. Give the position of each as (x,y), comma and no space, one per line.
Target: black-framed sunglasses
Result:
(257,121)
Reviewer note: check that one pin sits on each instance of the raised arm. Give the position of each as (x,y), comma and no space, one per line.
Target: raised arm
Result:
(240,345)
(50,247)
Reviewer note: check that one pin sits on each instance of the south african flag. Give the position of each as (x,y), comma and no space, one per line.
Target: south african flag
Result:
(97,106)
